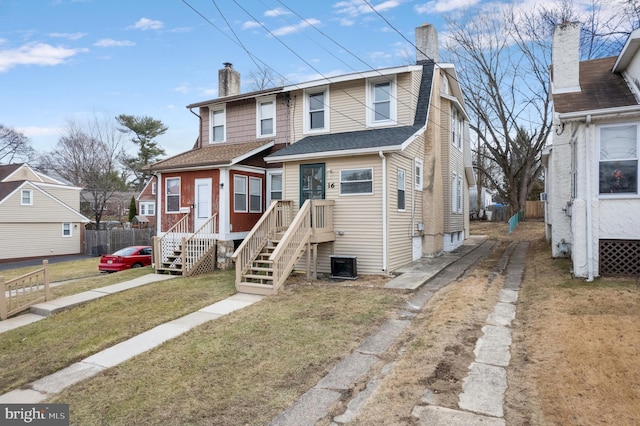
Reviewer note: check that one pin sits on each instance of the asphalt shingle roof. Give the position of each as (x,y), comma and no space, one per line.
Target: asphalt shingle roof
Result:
(7,169)
(212,155)
(600,89)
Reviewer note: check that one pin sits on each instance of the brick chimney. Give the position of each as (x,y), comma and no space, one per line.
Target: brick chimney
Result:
(565,57)
(228,81)
(426,44)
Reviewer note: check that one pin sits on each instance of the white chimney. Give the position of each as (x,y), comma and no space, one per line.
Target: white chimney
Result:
(228,81)
(426,44)
(565,57)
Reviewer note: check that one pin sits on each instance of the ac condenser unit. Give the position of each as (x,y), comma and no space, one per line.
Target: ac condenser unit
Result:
(344,267)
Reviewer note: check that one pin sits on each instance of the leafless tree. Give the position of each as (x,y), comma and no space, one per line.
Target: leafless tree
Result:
(503,57)
(88,156)
(14,146)
(264,78)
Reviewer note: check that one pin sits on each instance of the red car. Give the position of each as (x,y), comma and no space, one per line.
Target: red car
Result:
(130,257)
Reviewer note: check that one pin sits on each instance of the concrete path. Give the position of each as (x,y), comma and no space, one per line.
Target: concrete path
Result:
(42,310)
(45,387)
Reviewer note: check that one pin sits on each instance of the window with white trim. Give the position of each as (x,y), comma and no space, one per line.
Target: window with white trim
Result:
(356,181)
(217,119)
(454,190)
(26,197)
(266,116)
(382,104)
(419,174)
(401,189)
(147,208)
(275,186)
(154,188)
(66,230)
(240,194)
(618,159)
(255,195)
(172,195)
(316,107)
(459,194)
(457,126)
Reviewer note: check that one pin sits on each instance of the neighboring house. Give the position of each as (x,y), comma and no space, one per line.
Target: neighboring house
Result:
(146,203)
(39,215)
(486,199)
(593,210)
(382,156)
(220,186)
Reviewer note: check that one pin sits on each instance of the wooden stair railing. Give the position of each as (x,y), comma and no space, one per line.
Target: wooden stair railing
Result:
(178,252)
(276,255)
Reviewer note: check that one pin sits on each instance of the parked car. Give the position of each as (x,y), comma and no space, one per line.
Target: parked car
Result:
(129,257)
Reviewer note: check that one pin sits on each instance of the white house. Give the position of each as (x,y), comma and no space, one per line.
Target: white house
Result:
(593,211)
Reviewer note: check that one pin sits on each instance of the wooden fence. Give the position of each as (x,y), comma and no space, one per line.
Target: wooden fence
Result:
(20,293)
(106,241)
(534,210)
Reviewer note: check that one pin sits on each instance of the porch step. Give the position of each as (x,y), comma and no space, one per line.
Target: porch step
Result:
(255,288)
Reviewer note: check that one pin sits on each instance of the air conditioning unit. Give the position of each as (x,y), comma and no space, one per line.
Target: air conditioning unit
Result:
(543,196)
(344,267)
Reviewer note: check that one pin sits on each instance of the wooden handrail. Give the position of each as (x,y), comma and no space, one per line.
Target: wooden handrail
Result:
(20,293)
(198,244)
(181,227)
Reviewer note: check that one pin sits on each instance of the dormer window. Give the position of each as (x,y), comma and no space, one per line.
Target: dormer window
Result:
(218,119)
(382,102)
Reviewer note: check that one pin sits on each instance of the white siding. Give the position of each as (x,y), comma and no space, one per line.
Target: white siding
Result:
(43,209)
(38,240)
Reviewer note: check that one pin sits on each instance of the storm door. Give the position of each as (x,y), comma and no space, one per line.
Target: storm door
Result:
(202,207)
(311,182)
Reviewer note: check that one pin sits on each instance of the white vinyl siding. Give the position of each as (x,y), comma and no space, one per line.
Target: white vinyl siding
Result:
(37,240)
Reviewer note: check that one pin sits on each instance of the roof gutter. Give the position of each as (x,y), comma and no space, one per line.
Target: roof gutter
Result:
(600,113)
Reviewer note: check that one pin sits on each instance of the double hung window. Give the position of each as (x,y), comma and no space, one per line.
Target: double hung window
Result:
(218,119)
(618,159)
(172,200)
(356,181)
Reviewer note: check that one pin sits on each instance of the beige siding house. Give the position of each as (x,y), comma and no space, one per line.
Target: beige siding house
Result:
(390,148)
(39,216)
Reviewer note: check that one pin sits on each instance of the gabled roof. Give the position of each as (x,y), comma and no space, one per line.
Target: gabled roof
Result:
(601,88)
(217,155)
(363,141)
(7,189)
(7,170)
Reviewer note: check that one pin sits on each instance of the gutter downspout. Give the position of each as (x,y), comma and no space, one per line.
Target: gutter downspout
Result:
(588,200)
(384,210)
(199,127)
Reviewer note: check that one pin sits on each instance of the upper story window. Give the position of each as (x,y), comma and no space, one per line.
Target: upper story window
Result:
(154,187)
(218,119)
(316,110)
(457,128)
(26,197)
(172,200)
(356,181)
(618,159)
(381,102)
(266,117)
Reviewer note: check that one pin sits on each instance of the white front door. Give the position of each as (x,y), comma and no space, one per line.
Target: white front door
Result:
(202,207)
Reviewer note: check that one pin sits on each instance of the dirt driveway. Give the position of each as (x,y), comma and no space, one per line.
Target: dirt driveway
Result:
(575,345)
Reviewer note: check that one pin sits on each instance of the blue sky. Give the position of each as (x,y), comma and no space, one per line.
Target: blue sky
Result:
(76,59)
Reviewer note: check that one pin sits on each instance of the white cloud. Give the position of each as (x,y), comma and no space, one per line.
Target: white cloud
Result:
(107,42)
(145,24)
(31,131)
(69,36)
(36,54)
(250,24)
(183,88)
(278,11)
(443,6)
(289,29)
(355,8)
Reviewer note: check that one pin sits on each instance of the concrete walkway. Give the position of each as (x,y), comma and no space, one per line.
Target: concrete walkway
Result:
(41,389)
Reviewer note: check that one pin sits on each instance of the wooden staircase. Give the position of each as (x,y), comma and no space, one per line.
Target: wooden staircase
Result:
(269,253)
(178,252)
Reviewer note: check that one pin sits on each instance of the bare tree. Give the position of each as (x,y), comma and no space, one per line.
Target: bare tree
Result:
(14,146)
(264,78)
(88,156)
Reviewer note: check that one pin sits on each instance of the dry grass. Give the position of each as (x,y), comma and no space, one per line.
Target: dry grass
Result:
(241,369)
(61,271)
(41,348)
